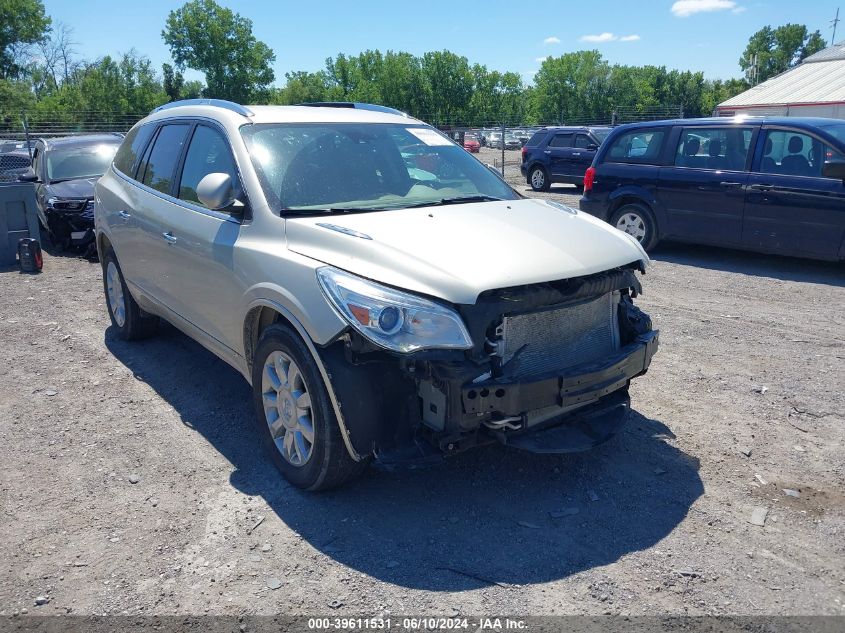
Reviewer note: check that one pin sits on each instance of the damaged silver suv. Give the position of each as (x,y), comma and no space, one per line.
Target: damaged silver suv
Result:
(385,294)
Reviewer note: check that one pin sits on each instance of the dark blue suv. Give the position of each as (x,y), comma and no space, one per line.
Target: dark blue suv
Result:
(560,154)
(774,185)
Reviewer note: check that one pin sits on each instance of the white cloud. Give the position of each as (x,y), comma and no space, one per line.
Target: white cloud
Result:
(738,10)
(540,60)
(551,40)
(630,38)
(686,8)
(601,37)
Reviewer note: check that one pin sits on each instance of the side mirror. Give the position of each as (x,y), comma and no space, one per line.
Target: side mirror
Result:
(834,169)
(592,147)
(215,191)
(28,176)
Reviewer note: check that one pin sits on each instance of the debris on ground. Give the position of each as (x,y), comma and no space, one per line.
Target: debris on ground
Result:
(789,492)
(41,600)
(273,583)
(758,516)
(565,512)
(531,526)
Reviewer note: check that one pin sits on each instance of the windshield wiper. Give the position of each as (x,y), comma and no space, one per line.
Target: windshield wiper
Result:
(454,200)
(329,210)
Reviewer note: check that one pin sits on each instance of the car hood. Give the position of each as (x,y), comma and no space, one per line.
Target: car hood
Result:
(456,252)
(82,188)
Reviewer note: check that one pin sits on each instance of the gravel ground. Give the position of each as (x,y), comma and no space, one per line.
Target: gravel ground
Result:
(132,480)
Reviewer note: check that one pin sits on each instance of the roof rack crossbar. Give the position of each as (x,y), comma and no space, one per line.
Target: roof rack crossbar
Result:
(216,103)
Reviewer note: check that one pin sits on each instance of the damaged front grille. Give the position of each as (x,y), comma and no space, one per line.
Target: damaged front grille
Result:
(551,340)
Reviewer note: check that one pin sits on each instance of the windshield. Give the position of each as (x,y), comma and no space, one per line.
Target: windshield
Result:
(337,166)
(601,134)
(79,162)
(837,130)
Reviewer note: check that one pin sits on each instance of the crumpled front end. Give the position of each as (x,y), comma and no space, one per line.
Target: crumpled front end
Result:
(548,372)
(71,222)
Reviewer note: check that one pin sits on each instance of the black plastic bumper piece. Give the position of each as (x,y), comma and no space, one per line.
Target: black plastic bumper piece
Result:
(585,430)
(580,385)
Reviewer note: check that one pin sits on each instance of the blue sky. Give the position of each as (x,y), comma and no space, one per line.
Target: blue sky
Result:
(707,35)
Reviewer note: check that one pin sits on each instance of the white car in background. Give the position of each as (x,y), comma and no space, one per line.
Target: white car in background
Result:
(385,294)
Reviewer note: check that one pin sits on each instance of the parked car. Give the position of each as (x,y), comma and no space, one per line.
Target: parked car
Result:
(772,185)
(64,171)
(494,140)
(471,143)
(298,245)
(560,154)
(14,160)
(511,141)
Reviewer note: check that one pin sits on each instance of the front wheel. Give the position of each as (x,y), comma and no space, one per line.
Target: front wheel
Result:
(539,179)
(636,219)
(294,415)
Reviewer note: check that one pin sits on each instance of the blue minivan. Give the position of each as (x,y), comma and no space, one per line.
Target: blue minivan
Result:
(775,185)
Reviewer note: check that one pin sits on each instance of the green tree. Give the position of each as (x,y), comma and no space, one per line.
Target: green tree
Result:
(214,40)
(573,87)
(779,49)
(22,23)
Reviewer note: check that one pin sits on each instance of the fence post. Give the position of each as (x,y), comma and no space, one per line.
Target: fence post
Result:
(503,149)
(26,135)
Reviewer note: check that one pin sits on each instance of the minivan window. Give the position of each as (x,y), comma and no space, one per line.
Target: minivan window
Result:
(790,153)
(162,158)
(561,140)
(719,148)
(208,153)
(132,146)
(637,146)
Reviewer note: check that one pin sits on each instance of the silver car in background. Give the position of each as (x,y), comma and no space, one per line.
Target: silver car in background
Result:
(385,294)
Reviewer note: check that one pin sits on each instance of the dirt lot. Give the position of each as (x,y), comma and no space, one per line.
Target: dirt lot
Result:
(131,480)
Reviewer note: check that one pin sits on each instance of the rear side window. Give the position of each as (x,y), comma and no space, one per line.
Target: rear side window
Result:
(637,146)
(720,148)
(561,140)
(536,139)
(208,153)
(791,153)
(132,146)
(161,159)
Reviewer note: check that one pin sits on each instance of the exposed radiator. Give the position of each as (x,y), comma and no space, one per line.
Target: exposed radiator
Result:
(561,338)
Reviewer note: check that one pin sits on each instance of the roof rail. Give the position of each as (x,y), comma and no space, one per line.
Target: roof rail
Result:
(216,103)
(354,104)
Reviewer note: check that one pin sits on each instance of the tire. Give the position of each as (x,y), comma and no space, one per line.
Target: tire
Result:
(125,314)
(294,415)
(636,219)
(538,178)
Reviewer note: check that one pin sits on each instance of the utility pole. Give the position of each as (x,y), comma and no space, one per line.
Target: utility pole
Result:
(833,23)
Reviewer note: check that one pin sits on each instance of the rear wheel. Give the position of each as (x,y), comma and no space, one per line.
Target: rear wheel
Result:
(294,415)
(131,323)
(538,179)
(636,219)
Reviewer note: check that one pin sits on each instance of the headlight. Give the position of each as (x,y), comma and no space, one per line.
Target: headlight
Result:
(392,319)
(67,205)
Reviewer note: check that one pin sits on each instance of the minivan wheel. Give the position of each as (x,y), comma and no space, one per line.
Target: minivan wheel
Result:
(539,179)
(295,418)
(126,316)
(636,220)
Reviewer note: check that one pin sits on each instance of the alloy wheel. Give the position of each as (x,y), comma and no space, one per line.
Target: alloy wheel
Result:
(114,289)
(287,408)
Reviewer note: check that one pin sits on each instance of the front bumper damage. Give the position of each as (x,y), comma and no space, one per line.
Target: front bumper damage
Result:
(419,407)
(71,223)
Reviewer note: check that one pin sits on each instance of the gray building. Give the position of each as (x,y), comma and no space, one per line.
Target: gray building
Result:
(816,87)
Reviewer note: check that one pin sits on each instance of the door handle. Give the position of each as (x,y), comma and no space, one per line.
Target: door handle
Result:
(547,151)
(169,237)
(762,187)
(576,153)
(732,185)
(124,214)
